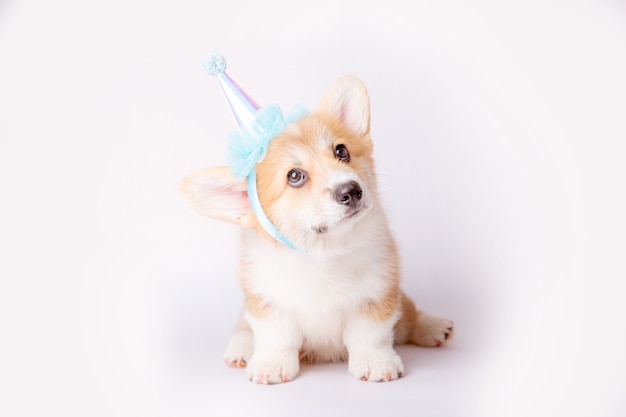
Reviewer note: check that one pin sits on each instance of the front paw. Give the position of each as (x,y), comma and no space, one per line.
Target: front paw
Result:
(273,371)
(376,367)
(239,349)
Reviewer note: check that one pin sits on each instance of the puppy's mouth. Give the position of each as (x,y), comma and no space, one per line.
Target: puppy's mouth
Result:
(349,215)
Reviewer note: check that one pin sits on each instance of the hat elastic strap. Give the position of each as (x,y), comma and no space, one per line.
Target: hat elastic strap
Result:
(257,209)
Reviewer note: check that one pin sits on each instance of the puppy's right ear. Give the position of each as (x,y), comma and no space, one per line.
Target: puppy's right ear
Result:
(216,193)
(348,101)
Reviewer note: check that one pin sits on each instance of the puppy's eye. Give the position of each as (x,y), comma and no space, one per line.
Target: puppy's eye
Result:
(341,152)
(296,177)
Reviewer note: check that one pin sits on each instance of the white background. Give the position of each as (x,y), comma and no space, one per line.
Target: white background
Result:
(499,132)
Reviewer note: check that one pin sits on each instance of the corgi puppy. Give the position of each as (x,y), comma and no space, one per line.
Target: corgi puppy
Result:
(337,296)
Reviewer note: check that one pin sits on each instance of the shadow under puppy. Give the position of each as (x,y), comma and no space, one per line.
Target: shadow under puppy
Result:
(337,295)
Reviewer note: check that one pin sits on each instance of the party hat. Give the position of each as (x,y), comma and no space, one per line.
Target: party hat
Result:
(241,104)
(247,146)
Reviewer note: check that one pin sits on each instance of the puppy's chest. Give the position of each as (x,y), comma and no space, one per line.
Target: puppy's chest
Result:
(301,284)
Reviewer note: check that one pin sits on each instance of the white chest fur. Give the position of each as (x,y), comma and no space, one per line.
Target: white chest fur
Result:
(319,292)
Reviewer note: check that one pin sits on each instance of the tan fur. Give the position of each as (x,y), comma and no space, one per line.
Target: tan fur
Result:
(404,326)
(388,304)
(255,304)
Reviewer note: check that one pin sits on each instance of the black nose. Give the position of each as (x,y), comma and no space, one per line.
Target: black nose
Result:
(349,194)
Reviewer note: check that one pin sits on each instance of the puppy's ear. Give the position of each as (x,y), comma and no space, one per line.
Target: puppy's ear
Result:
(348,101)
(216,193)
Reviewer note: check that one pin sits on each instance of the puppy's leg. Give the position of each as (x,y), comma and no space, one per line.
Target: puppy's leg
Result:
(371,356)
(420,328)
(240,346)
(277,342)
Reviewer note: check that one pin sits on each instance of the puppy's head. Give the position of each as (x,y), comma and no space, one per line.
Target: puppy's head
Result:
(316,181)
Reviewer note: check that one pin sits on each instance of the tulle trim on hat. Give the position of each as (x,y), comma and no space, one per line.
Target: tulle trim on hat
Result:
(248,145)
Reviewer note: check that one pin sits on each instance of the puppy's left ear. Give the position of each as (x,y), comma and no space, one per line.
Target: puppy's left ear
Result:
(348,101)
(216,193)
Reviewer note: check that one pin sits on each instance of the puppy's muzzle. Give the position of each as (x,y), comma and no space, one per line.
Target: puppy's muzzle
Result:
(349,194)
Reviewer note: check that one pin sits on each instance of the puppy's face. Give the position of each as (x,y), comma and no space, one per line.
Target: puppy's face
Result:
(317,179)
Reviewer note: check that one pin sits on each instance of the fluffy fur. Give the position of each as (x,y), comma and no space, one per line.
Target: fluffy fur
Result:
(337,298)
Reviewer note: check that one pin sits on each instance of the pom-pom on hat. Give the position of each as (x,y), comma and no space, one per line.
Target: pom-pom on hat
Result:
(247,146)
